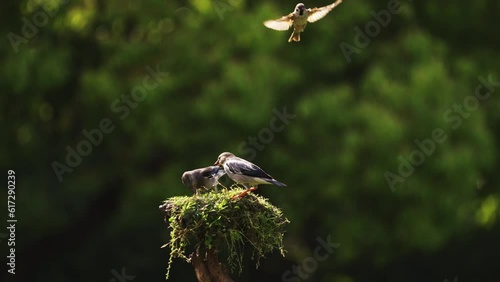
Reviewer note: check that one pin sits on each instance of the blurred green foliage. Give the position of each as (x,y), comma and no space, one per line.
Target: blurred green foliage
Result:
(66,65)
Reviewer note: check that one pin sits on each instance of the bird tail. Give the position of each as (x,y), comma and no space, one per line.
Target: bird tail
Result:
(276,182)
(294,37)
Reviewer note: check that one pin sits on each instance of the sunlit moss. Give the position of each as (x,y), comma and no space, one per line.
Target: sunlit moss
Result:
(215,220)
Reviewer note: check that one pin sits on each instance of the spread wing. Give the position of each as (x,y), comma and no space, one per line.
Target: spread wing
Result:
(246,168)
(283,23)
(316,14)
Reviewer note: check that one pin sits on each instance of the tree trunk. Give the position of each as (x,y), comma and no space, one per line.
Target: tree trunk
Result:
(200,269)
(210,269)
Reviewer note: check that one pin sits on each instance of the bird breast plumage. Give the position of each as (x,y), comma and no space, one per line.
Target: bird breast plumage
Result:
(300,23)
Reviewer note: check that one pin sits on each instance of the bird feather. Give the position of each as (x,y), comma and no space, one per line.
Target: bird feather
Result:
(316,14)
(283,23)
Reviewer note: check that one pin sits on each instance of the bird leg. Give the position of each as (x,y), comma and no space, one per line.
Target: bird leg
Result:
(251,189)
(241,194)
(222,185)
(209,189)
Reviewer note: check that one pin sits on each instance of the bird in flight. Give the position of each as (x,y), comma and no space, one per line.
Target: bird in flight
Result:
(202,178)
(244,172)
(299,19)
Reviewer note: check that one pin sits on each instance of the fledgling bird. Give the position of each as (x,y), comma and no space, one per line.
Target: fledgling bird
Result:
(244,172)
(202,178)
(299,18)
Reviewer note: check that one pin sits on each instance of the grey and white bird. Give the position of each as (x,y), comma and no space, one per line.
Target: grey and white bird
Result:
(202,178)
(299,19)
(244,172)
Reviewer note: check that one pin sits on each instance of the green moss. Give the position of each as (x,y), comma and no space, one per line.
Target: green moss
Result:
(215,220)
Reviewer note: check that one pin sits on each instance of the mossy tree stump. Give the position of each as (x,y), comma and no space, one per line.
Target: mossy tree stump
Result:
(213,223)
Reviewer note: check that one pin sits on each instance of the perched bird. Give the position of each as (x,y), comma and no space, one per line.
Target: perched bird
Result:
(244,172)
(206,177)
(299,18)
